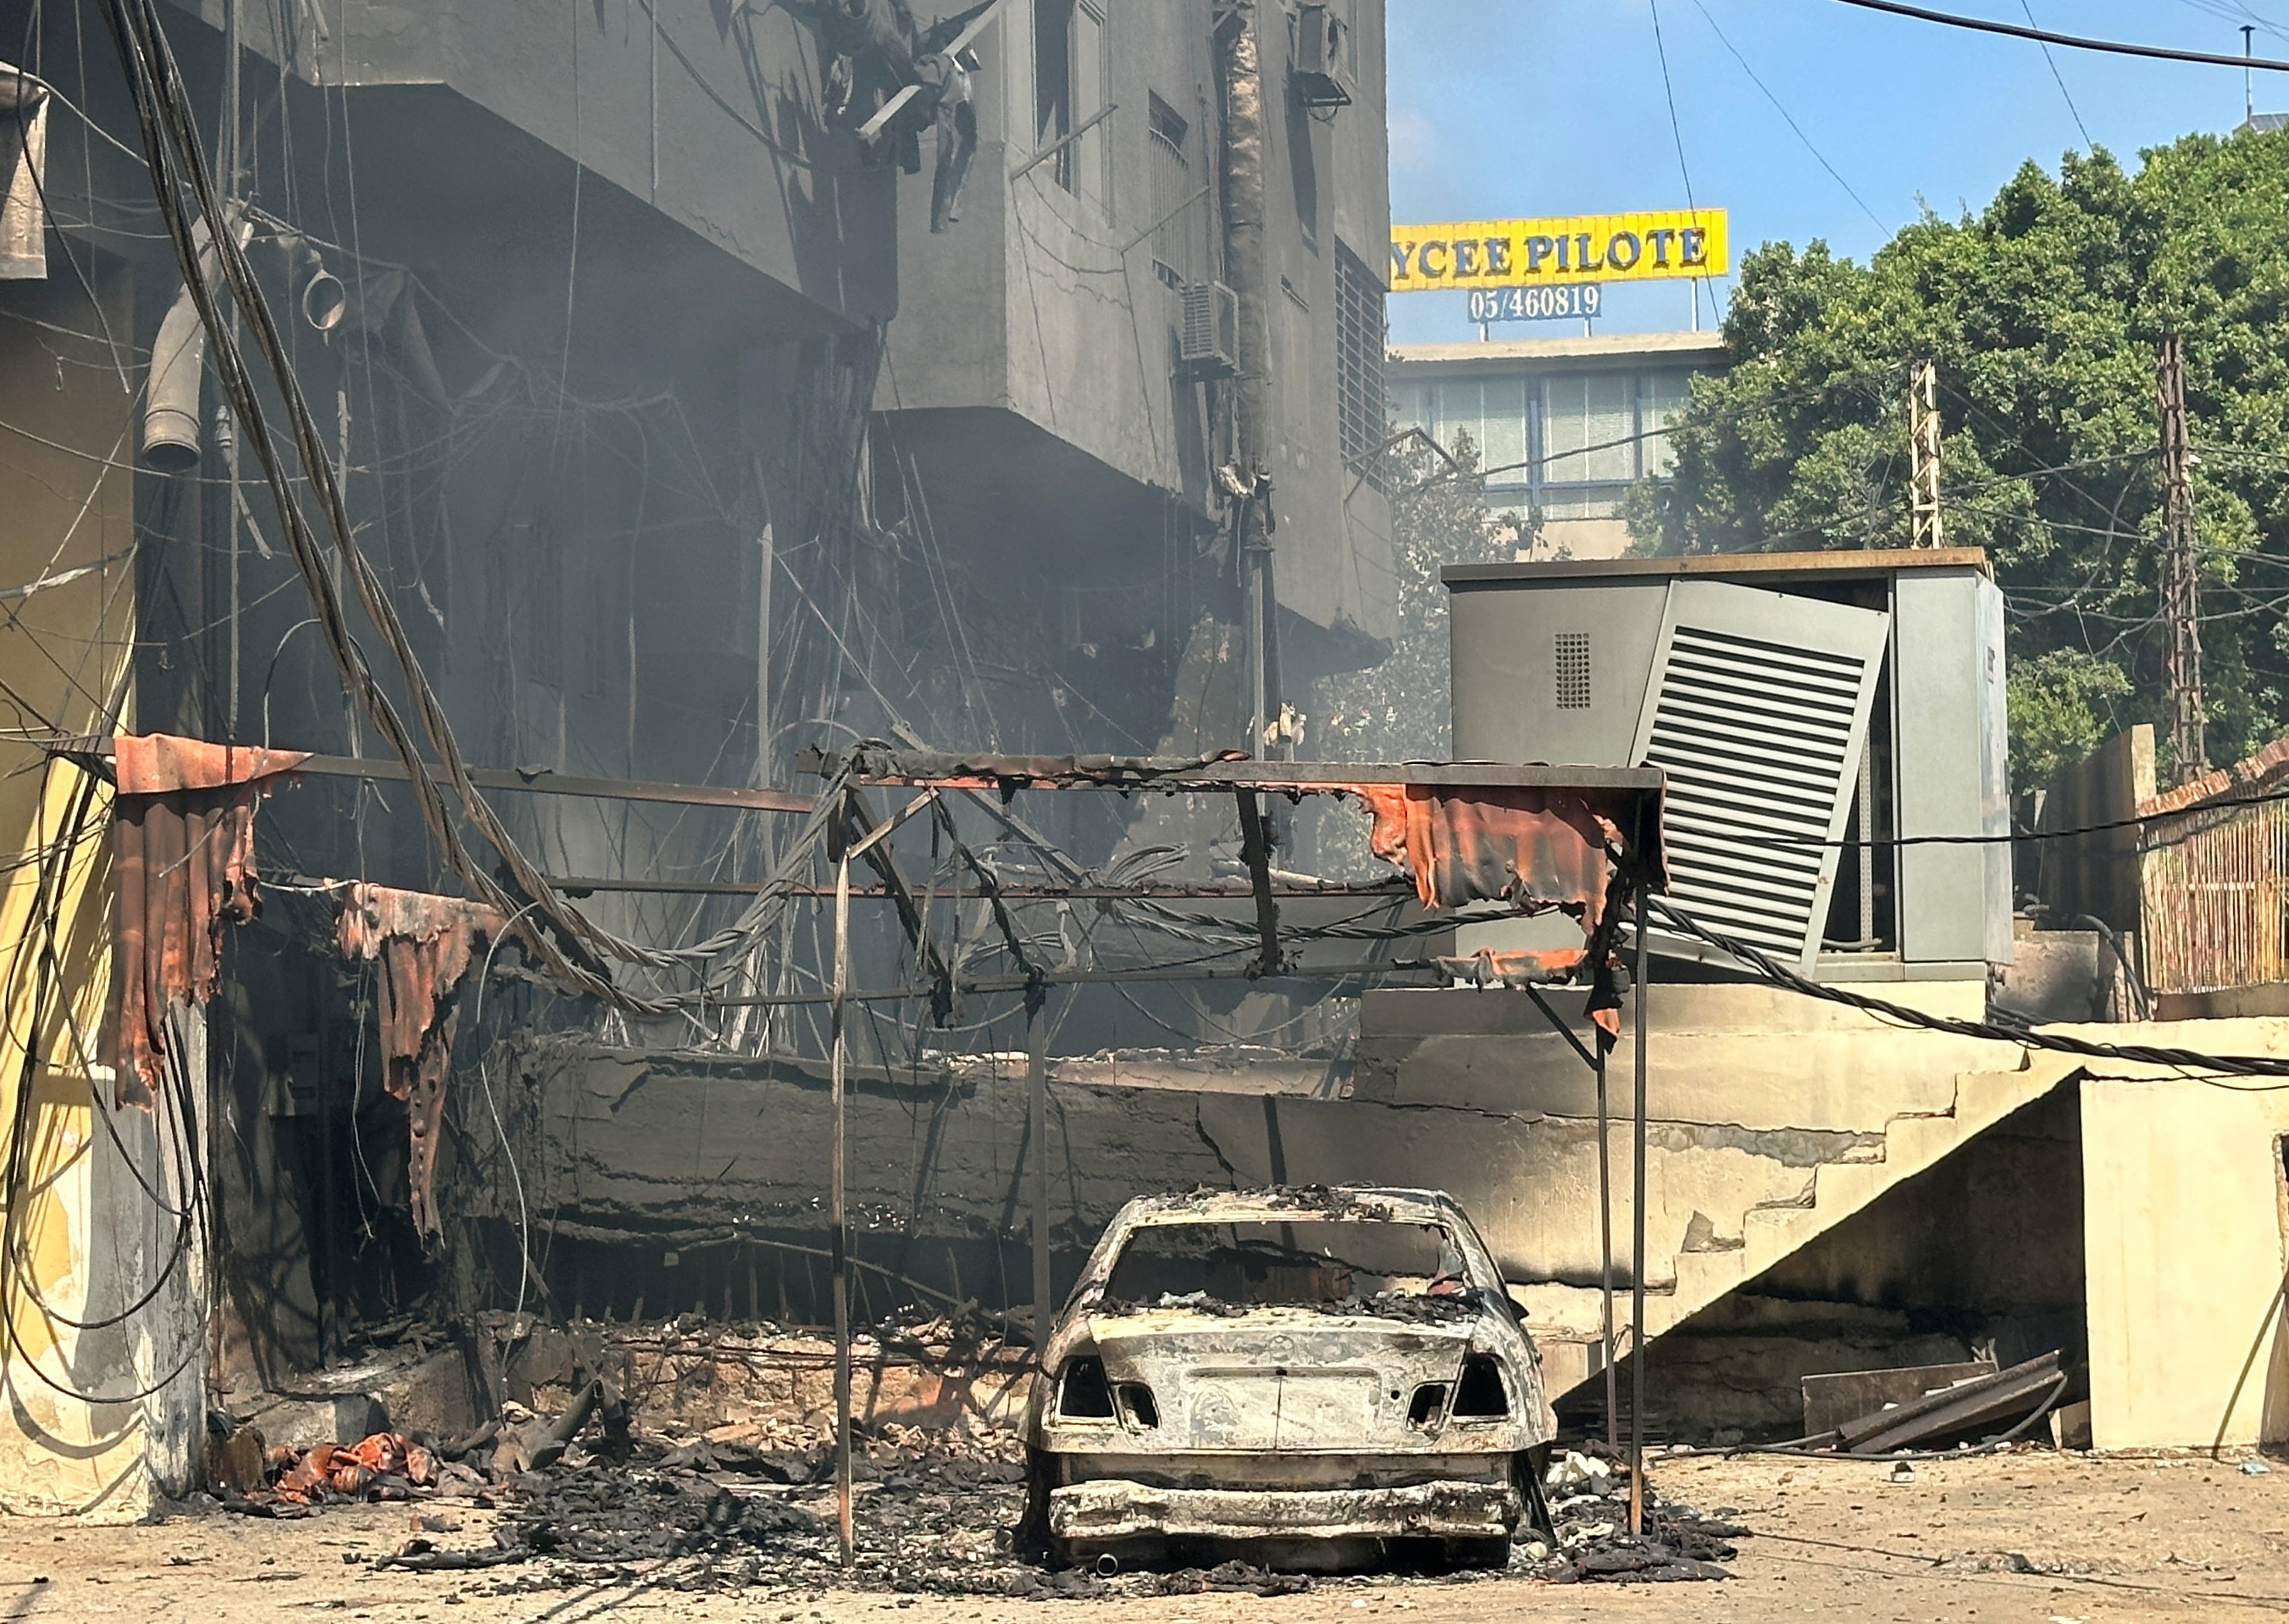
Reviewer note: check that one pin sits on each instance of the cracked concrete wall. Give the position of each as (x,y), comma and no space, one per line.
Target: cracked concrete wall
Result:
(1755,1057)
(677,1149)
(1749,1090)
(1502,1117)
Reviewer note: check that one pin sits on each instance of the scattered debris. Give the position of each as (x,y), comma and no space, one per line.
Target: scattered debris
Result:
(1833,1398)
(1590,1509)
(1994,1407)
(385,1466)
(235,1456)
(583,1497)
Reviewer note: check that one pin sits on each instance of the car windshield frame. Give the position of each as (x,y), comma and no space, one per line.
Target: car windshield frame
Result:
(1250,1252)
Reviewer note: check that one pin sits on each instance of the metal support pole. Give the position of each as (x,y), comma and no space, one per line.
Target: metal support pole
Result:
(1925,528)
(1252,554)
(233,55)
(1037,1116)
(1637,1246)
(2181,583)
(839,1262)
(1606,1258)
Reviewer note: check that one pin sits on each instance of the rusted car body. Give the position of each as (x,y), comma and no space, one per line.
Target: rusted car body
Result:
(1309,1370)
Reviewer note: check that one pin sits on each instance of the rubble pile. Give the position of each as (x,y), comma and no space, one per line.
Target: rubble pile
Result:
(585,1497)
(741,1507)
(384,1466)
(286,1483)
(1590,1509)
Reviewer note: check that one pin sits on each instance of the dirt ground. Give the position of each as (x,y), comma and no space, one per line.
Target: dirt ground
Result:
(2036,1536)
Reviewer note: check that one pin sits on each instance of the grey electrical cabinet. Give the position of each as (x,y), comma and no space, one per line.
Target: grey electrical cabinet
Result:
(1813,711)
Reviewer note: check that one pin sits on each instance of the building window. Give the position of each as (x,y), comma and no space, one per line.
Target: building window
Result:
(1176,237)
(1660,399)
(1502,431)
(1569,444)
(1571,679)
(1071,71)
(1362,413)
(1492,413)
(1589,429)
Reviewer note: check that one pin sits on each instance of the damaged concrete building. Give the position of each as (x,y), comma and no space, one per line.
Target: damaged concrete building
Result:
(449,546)
(680,431)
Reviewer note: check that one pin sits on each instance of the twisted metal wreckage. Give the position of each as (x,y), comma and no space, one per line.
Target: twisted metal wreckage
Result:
(1536,839)
(1584,841)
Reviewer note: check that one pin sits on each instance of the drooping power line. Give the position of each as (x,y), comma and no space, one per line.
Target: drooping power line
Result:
(2077,42)
(2027,6)
(1677,133)
(1790,118)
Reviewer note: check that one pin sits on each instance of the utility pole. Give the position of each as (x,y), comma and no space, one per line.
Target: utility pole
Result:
(1240,71)
(2248,78)
(2182,605)
(1923,439)
(226,424)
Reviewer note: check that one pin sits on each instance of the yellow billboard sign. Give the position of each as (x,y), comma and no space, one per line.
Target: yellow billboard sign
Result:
(1560,249)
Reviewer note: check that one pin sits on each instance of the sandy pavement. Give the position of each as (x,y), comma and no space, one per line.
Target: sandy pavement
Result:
(2038,1537)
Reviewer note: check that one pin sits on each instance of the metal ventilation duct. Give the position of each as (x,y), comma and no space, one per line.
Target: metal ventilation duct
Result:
(1759,713)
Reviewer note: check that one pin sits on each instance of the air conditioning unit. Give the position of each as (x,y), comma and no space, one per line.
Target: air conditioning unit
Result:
(1322,48)
(1208,345)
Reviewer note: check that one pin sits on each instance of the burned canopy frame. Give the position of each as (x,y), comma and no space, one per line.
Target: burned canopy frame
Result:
(1585,841)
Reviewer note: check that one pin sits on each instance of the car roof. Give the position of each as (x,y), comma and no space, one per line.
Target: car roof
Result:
(1292,1204)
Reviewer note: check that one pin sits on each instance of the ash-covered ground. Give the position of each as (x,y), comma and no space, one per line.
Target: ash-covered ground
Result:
(2029,1535)
(933,1513)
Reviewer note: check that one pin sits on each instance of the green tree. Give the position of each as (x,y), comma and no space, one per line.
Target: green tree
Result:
(2042,312)
(2061,709)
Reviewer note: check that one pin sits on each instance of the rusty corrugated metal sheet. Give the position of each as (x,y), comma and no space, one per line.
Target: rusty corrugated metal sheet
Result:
(423,943)
(182,835)
(1516,966)
(1533,849)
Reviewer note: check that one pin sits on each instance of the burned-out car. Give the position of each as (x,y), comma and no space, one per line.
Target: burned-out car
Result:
(1301,1370)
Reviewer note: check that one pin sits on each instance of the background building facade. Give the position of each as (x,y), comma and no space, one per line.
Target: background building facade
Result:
(1563,426)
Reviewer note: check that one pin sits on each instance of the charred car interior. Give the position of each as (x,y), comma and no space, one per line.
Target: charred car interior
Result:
(1326,1375)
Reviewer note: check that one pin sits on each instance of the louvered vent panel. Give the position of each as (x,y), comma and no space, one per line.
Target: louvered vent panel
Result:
(1758,740)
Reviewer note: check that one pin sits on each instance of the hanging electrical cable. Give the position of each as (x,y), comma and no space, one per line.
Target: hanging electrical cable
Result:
(1766,968)
(18,1281)
(570,948)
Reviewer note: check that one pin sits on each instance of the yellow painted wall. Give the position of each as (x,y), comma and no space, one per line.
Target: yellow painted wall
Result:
(2183,1239)
(66,502)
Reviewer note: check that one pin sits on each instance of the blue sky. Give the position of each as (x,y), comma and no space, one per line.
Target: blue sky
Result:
(1502,108)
